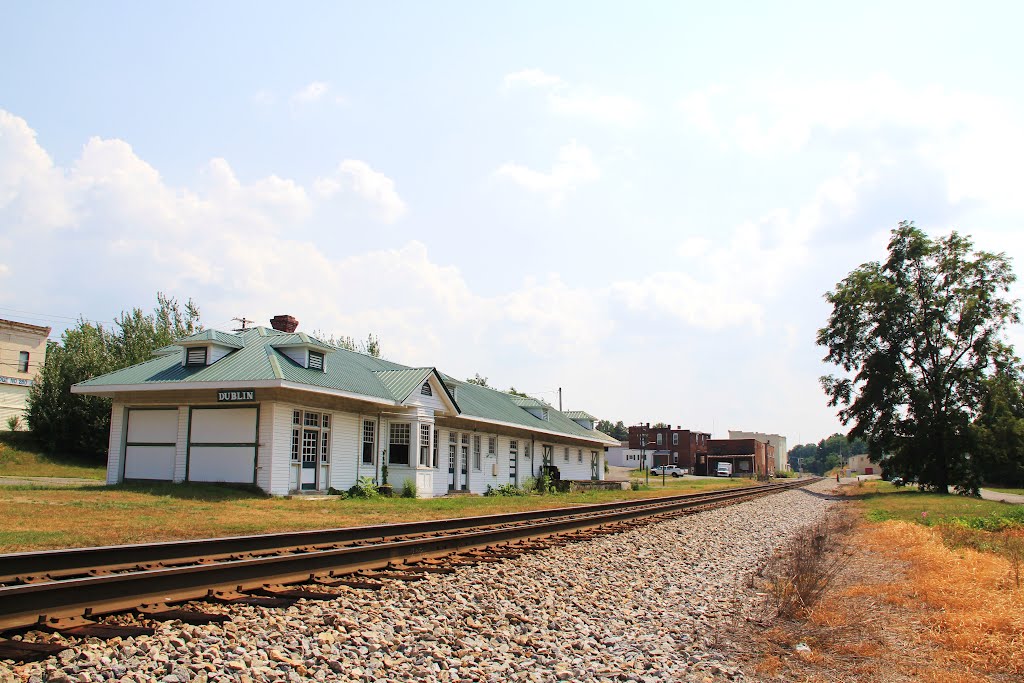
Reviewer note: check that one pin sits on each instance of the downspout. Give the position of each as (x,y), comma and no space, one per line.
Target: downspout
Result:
(376,457)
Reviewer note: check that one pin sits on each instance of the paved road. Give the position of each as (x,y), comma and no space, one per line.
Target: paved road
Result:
(1004,497)
(49,481)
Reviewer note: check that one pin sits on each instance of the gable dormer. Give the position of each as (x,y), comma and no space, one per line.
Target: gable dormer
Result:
(582,418)
(304,350)
(538,409)
(206,347)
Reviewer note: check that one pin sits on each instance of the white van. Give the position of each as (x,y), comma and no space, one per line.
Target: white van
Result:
(724,469)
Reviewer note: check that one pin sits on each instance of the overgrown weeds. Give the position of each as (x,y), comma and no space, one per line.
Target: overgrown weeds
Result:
(798,575)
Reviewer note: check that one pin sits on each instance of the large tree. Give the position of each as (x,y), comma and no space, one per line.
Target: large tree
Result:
(73,423)
(917,339)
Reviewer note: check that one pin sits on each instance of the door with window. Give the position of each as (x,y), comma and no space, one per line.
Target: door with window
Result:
(548,458)
(513,457)
(595,463)
(453,446)
(311,450)
(310,453)
(464,462)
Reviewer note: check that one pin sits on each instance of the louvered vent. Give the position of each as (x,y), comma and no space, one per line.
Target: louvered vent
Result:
(196,356)
(316,361)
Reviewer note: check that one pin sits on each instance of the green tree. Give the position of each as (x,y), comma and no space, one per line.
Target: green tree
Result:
(917,338)
(512,390)
(72,423)
(998,454)
(370,347)
(617,430)
(478,380)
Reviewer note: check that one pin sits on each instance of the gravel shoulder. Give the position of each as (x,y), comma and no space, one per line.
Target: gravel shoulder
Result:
(646,605)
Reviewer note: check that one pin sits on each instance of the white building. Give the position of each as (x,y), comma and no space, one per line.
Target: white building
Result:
(776,440)
(289,413)
(624,456)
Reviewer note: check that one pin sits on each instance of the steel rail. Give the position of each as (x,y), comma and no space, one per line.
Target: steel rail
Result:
(81,560)
(23,605)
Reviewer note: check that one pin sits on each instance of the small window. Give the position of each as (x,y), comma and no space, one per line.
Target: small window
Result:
(492,446)
(296,417)
(196,356)
(369,434)
(398,444)
(23,361)
(426,390)
(437,437)
(661,438)
(675,457)
(453,437)
(567,455)
(312,420)
(513,449)
(316,360)
(295,445)
(425,445)
(476,452)
(675,439)
(325,445)
(579,455)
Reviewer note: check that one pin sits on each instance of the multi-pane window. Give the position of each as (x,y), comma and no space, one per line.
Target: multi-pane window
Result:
(316,360)
(398,443)
(369,437)
(196,356)
(426,390)
(675,439)
(579,455)
(23,361)
(476,452)
(567,455)
(437,436)
(675,457)
(526,450)
(661,438)
(425,445)
(453,437)
(513,449)
(492,446)
(311,436)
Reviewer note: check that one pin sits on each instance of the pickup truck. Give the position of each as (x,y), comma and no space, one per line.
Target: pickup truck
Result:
(673,470)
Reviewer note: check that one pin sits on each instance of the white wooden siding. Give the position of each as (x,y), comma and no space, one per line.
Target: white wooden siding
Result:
(265,451)
(117,414)
(346,449)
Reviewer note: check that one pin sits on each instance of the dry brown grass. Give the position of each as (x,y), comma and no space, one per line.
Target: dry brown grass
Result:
(906,607)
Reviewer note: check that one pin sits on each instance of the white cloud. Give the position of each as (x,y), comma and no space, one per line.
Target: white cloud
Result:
(373,186)
(312,92)
(577,102)
(574,167)
(976,141)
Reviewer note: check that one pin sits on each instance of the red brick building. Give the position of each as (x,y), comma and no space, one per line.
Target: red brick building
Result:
(749,458)
(670,446)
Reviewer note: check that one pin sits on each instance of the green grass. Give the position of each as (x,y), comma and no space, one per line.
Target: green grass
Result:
(71,516)
(20,457)
(883,501)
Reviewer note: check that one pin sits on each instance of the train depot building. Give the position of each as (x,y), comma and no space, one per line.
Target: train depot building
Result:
(284,411)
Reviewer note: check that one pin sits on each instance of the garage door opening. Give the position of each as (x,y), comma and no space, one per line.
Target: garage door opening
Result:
(222,445)
(150,444)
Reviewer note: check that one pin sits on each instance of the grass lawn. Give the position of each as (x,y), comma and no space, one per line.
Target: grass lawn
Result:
(19,457)
(64,517)
(883,501)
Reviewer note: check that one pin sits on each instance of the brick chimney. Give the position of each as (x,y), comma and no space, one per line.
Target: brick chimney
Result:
(284,323)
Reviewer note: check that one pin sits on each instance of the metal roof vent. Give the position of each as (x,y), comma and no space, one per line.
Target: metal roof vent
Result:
(284,323)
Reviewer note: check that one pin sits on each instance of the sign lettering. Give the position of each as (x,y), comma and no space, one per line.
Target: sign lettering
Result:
(17,381)
(236,395)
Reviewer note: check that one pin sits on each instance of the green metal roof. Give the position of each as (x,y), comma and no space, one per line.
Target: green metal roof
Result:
(215,336)
(301,339)
(259,358)
(579,415)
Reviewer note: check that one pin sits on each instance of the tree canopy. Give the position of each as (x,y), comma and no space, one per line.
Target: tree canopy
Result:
(478,380)
(825,455)
(616,431)
(918,339)
(72,423)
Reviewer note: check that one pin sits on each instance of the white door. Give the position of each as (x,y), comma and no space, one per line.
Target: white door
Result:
(150,444)
(222,445)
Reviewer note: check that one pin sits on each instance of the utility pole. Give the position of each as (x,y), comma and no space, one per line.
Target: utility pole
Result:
(559,399)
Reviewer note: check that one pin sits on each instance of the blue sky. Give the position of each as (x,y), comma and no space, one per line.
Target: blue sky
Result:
(642,203)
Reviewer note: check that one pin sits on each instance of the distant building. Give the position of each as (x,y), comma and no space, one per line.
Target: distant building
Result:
(861,464)
(22,353)
(777,441)
(749,457)
(667,446)
(624,456)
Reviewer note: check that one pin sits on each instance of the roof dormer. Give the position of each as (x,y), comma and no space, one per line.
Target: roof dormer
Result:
(304,350)
(582,418)
(538,409)
(205,348)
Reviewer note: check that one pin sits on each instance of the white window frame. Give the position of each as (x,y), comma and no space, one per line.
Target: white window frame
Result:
(477,461)
(400,434)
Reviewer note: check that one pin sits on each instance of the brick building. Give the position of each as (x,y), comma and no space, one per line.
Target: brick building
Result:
(668,446)
(749,457)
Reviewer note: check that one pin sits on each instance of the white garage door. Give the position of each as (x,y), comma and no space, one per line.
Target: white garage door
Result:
(222,445)
(151,444)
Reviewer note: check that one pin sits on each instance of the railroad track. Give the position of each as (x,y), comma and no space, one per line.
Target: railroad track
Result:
(73,592)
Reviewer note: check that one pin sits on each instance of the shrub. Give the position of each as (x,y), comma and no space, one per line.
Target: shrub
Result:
(544,484)
(504,490)
(364,488)
(638,486)
(408,489)
(13,423)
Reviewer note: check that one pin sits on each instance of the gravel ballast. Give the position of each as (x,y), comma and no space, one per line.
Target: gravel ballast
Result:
(644,605)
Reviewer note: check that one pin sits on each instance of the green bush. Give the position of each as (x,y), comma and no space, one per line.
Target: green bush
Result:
(504,490)
(364,488)
(638,486)
(409,489)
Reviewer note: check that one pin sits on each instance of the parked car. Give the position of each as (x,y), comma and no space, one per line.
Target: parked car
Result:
(671,470)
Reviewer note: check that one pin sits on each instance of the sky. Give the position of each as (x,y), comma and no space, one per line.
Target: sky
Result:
(641,203)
